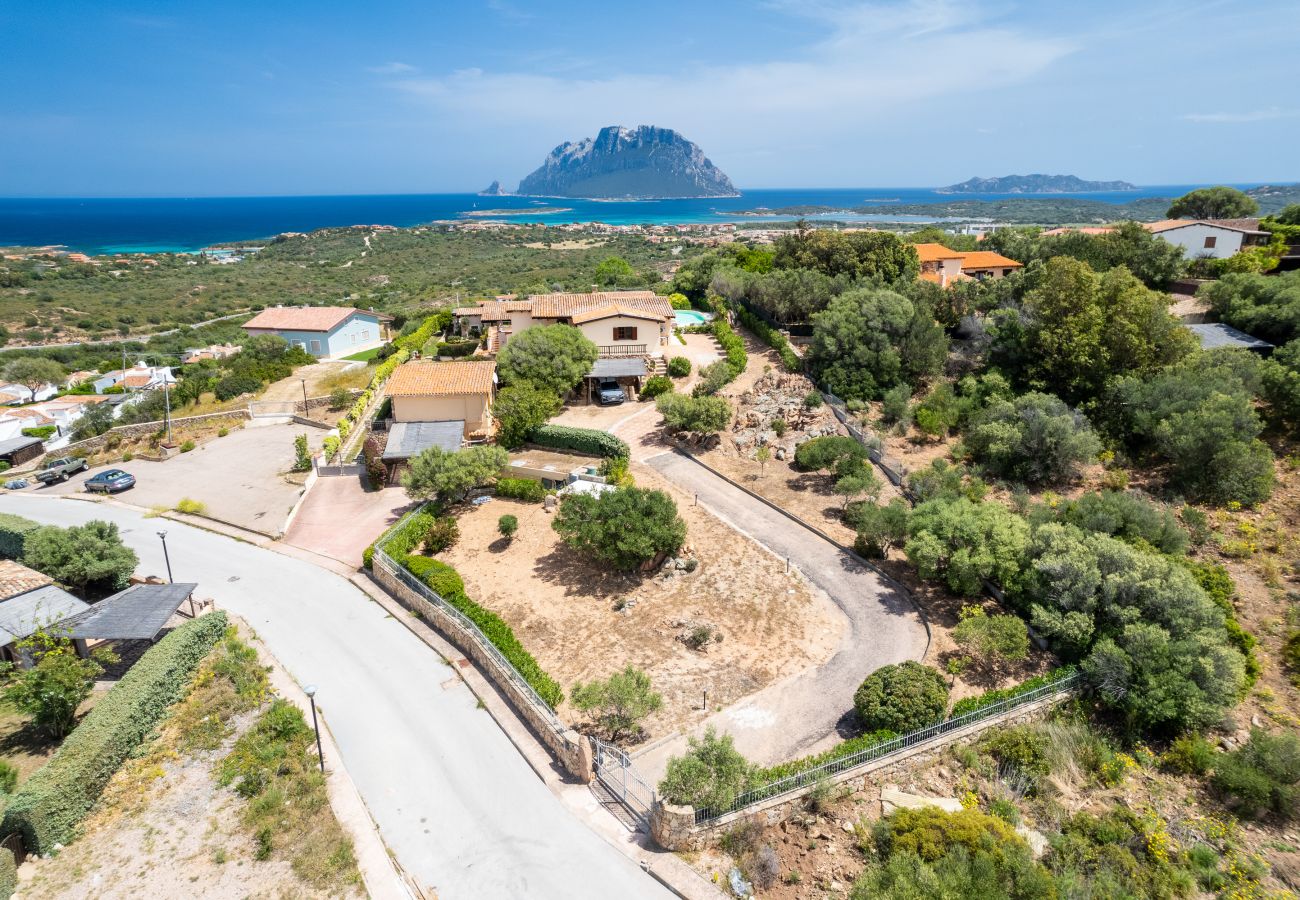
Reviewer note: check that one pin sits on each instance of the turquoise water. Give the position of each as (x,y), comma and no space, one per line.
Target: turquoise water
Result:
(688,317)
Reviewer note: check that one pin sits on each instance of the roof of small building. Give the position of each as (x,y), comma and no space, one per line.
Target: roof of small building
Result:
(625,367)
(1215,335)
(935,252)
(137,613)
(306,318)
(614,309)
(15,578)
(19,443)
(987,259)
(429,378)
(406,439)
(563,306)
(1086,229)
(25,613)
(1247,226)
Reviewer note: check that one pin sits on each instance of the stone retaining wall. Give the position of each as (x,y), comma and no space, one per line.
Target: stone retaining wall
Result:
(674,828)
(125,432)
(571,749)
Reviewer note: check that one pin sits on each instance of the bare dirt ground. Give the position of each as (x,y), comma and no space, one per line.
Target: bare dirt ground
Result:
(582,623)
(321,378)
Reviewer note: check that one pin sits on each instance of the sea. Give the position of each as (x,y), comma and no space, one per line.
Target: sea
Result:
(186,225)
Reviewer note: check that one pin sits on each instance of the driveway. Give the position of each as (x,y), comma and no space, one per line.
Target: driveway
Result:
(458,805)
(239,477)
(796,716)
(340,518)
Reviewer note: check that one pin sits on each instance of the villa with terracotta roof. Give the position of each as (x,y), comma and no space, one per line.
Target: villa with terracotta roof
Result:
(327,332)
(439,404)
(619,323)
(944,266)
(1199,238)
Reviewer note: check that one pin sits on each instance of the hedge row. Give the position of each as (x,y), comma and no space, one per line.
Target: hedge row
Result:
(733,347)
(580,440)
(988,698)
(8,874)
(49,806)
(521,489)
(446,582)
(773,338)
(13,535)
(406,536)
(382,371)
(458,348)
(419,337)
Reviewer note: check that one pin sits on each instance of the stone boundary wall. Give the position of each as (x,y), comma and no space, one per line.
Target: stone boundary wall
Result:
(674,828)
(571,749)
(139,429)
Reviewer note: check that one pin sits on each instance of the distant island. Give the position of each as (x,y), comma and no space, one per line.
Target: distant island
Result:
(1034,184)
(494,190)
(528,211)
(643,163)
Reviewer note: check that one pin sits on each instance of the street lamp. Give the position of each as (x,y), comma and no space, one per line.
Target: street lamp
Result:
(310,691)
(166,557)
(304,396)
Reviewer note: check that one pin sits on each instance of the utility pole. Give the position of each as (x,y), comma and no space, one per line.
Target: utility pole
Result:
(304,396)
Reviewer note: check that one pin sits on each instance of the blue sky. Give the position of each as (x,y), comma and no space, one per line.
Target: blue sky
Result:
(287,97)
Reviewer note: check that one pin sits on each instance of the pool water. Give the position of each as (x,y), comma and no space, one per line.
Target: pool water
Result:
(688,317)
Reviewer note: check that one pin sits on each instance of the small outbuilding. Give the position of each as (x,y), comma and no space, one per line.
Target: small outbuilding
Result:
(30,601)
(408,439)
(19,450)
(628,372)
(139,613)
(1217,336)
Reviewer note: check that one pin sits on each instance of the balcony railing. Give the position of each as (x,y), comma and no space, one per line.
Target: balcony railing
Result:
(617,351)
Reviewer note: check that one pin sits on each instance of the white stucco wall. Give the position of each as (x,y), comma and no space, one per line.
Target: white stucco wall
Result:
(601,332)
(1192,239)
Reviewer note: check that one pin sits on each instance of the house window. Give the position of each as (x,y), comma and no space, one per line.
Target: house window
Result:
(625,333)
(315,346)
(365,334)
(1210,242)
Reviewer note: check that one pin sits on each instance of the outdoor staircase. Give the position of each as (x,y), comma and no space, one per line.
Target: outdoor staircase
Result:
(656,365)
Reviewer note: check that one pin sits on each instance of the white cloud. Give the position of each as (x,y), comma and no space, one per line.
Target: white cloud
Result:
(876,60)
(1257,115)
(392,68)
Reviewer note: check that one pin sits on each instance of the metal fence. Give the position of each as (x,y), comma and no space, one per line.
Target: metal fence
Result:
(893,469)
(614,769)
(498,661)
(795,782)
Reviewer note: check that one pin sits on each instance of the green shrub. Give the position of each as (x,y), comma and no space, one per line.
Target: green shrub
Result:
(41,431)
(659,384)
(988,698)
(679,367)
(8,776)
(579,440)
(1190,754)
(832,453)
(773,338)
(839,751)
(507,525)
(457,348)
(521,489)
(8,873)
(53,801)
(187,446)
(711,774)
(902,698)
(447,583)
(442,534)
(13,535)
(1291,653)
(1020,747)
(1262,775)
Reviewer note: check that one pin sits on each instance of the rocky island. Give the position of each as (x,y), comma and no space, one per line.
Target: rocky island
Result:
(1034,184)
(644,163)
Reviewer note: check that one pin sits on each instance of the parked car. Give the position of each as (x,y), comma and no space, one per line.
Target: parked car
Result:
(60,469)
(610,393)
(110,481)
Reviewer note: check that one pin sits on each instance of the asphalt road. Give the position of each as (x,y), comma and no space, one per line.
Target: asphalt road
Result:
(455,801)
(793,716)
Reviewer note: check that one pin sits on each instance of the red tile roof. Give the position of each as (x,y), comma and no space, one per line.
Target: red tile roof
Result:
(16,579)
(614,309)
(427,378)
(563,306)
(935,252)
(987,259)
(304,318)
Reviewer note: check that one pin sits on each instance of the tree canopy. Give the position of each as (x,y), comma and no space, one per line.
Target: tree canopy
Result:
(1267,306)
(1213,203)
(624,528)
(450,475)
(857,254)
(86,558)
(34,373)
(1035,439)
(552,358)
(519,409)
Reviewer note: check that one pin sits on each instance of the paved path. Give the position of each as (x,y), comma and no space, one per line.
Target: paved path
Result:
(340,518)
(792,717)
(458,805)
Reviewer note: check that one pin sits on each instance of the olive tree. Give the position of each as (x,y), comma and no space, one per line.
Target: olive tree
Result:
(451,474)
(552,358)
(625,528)
(1036,439)
(710,775)
(619,702)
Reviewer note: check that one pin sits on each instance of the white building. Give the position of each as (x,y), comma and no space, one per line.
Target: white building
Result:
(1209,238)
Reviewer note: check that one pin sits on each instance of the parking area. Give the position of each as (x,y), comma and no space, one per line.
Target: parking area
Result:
(239,478)
(340,518)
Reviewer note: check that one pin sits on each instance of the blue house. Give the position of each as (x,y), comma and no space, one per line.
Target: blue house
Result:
(328,332)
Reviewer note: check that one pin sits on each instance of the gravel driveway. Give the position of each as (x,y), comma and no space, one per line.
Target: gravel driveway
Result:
(802,714)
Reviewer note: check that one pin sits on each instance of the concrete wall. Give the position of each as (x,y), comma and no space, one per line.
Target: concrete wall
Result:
(1192,239)
(472,408)
(571,749)
(140,429)
(674,828)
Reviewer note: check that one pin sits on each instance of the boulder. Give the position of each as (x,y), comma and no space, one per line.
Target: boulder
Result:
(892,799)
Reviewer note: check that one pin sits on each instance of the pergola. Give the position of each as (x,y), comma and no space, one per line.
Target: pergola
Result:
(138,613)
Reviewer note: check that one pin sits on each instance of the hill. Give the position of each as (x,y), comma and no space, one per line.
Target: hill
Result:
(620,163)
(1034,184)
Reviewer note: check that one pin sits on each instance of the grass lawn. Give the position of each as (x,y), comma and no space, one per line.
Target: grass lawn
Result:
(364,355)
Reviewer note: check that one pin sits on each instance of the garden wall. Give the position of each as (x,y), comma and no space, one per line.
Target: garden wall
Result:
(139,429)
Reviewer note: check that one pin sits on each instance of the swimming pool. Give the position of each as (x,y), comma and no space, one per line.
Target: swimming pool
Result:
(688,317)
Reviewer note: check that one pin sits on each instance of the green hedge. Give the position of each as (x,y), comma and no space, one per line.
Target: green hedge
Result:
(419,337)
(988,698)
(49,806)
(447,583)
(458,348)
(407,535)
(839,751)
(580,440)
(773,338)
(733,347)
(8,874)
(521,489)
(40,431)
(13,535)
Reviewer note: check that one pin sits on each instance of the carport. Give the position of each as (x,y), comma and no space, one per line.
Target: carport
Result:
(627,371)
(139,613)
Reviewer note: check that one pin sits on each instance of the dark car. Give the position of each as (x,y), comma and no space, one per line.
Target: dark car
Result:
(110,481)
(610,393)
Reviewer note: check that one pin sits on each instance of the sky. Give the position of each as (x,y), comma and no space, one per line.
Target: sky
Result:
(287,97)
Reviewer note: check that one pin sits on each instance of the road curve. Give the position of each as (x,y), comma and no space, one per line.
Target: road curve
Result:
(455,801)
(790,717)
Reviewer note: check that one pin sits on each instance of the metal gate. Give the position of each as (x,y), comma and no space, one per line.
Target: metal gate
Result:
(625,786)
(263,409)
